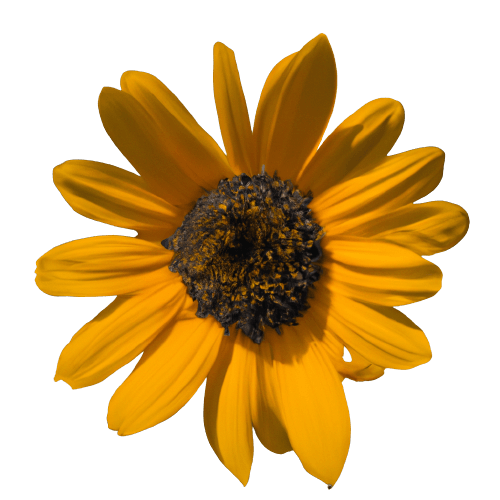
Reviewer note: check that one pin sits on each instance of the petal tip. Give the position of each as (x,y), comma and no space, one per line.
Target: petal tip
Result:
(424,357)
(125,429)
(322,38)
(440,279)
(394,105)
(220,46)
(133,77)
(126,77)
(427,357)
(67,380)
(39,282)
(133,73)
(466,218)
(58,172)
(113,425)
(320,43)
(242,476)
(106,93)
(107,90)
(437,153)
(423,353)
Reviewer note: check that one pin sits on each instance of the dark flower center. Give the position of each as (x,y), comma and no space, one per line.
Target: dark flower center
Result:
(248,252)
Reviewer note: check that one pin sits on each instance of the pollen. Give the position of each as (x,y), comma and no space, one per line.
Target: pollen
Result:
(249,253)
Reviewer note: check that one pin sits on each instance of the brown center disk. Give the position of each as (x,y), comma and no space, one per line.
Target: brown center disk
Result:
(248,252)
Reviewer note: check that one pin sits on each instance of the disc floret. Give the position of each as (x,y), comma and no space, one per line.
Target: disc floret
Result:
(248,253)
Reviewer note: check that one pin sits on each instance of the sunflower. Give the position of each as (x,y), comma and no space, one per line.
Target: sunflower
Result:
(253,269)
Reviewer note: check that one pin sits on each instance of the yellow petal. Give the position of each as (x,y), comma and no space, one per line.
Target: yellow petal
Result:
(266,109)
(170,371)
(156,236)
(312,403)
(426,228)
(119,333)
(266,416)
(300,111)
(190,147)
(227,406)
(315,319)
(114,196)
(233,113)
(141,141)
(102,265)
(358,369)
(382,335)
(399,180)
(357,145)
(378,272)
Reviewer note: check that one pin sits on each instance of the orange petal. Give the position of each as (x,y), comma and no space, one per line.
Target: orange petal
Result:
(119,333)
(114,196)
(142,142)
(266,109)
(190,147)
(227,416)
(378,272)
(170,371)
(357,145)
(233,113)
(382,335)
(156,236)
(266,415)
(359,368)
(103,265)
(399,180)
(426,228)
(314,319)
(312,403)
(296,108)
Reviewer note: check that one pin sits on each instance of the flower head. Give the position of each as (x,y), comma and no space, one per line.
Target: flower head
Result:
(253,269)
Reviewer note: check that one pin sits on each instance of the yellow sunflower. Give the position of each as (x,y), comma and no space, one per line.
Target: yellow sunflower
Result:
(252,269)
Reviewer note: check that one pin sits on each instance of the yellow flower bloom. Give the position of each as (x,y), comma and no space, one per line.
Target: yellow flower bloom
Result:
(252,280)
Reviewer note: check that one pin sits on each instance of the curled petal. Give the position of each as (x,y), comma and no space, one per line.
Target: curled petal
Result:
(359,368)
(382,335)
